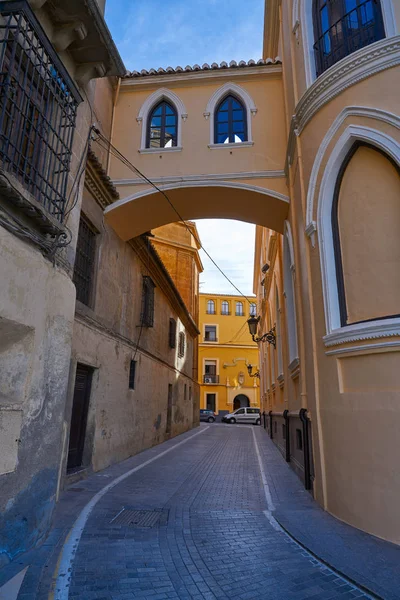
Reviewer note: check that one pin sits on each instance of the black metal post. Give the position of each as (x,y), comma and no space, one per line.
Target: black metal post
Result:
(270,424)
(306,448)
(287,440)
(265,420)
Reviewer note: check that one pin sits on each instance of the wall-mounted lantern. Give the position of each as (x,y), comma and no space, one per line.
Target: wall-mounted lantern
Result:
(267,337)
(250,371)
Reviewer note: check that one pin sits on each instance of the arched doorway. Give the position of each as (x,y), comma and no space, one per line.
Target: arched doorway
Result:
(241,401)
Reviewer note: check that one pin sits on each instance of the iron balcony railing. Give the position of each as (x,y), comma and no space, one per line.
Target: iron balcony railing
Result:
(356,29)
(38,106)
(210,378)
(211,338)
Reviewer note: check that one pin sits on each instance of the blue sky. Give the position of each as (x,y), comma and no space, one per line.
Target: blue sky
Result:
(162,33)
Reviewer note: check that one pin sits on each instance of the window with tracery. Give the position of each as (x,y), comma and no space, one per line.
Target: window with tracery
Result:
(230,121)
(162,130)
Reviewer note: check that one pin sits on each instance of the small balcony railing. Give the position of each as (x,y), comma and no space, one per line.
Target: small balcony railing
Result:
(211,312)
(226,313)
(358,28)
(210,378)
(211,338)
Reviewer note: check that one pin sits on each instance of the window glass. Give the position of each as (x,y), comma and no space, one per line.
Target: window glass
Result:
(163,126)
(230,122)
(253,309)
(211,307)
(241,411)
(210,333)
(224,308)
(239,309)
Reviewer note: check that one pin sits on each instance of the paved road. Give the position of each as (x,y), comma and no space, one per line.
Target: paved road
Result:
(215,537)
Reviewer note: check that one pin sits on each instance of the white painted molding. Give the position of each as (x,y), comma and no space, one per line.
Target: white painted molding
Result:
(160,150)
(372,330)
(230,146)
(352,134)
(148,105)
(209,176)
(289,293)
(349,111)
(364,348)
(289,237)
(347,72)
(243,95)
(203,183)
(303,19)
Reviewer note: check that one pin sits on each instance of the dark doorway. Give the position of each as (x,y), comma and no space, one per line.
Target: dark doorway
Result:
(169,409)
(241,401)
(80,406)
(210,402)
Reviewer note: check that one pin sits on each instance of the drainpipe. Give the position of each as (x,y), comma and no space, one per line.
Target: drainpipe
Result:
(307,466)
(287,446)
(270,424)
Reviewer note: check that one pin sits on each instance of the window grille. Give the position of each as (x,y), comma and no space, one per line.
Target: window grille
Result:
(147,316)
(343,26)
(132,374)
(38,105)
(172,333)
(84,262)
(182,343)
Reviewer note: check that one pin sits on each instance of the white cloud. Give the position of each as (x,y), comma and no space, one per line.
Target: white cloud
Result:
(231,245)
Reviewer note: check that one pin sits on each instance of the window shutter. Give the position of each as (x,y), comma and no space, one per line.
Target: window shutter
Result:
(172,333)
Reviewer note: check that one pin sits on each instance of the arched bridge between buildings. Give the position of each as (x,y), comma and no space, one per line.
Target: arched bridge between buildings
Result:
(205,199)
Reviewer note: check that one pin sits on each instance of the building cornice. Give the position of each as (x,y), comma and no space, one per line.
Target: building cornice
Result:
(271,27)
(98,182)
(356,67)
(181,78)
(278,174)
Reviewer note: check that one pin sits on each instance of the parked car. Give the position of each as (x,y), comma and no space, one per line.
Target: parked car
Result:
(244,415)
(207,415)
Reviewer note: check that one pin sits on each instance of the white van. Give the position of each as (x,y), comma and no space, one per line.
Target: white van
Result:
(244,415)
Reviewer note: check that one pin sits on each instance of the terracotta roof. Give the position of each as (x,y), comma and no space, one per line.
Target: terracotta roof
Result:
(206,67)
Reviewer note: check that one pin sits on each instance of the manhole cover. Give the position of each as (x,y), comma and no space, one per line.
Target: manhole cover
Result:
(140,518)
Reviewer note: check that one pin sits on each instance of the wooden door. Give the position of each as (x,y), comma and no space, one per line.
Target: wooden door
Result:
(83,382)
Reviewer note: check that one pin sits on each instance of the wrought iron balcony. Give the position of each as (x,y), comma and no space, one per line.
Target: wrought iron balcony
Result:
(38,105)
(358,28)
(210,338)
(210,378)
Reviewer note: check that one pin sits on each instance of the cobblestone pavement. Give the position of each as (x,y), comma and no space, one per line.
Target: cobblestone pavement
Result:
(214,539)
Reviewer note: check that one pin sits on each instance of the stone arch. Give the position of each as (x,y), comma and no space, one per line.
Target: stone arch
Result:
(241,401)
(149,208)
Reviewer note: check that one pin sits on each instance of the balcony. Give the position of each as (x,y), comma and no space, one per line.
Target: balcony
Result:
(210,338)
(210,378)
(211,312)
(358,28)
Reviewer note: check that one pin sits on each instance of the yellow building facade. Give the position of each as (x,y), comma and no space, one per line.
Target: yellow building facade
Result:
(316,167)
(225,352)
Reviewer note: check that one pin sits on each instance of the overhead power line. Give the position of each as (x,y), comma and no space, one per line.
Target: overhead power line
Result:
(107,145)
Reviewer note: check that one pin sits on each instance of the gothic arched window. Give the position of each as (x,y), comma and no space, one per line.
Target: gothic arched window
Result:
(230,121)
(162,127)
(344,26)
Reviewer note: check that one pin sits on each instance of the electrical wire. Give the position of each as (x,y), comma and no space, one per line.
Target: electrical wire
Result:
(107,145)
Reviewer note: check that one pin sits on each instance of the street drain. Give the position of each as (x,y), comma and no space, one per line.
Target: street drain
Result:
(140,518)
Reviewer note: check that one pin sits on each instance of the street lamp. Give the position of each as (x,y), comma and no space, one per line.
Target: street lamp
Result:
(250,371)
(269,337)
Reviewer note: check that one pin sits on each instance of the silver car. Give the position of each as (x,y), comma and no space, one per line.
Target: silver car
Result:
(244,415)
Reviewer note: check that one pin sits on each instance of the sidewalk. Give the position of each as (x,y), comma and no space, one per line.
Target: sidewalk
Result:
(368,561)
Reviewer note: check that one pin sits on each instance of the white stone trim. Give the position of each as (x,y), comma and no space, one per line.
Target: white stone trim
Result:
(240,92)
(230,146)
(349,111)
(160,150)
(306,25)
(208,176)
(334,329)
(364,348)
(148,105)
(203,183)
(289,293)
(372,330)
(350,70)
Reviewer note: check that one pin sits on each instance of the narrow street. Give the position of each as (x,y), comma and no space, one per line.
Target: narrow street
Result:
(210,533)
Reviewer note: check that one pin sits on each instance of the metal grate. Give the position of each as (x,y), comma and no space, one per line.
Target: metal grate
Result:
(84,262)
(140,518)
(38,104)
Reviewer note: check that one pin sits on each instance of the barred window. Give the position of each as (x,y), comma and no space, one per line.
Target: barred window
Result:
(84,262)
(182,344)
(147,316)
(172,333)
(38,104)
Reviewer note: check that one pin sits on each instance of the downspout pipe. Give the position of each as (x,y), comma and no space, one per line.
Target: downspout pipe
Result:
(306,437)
